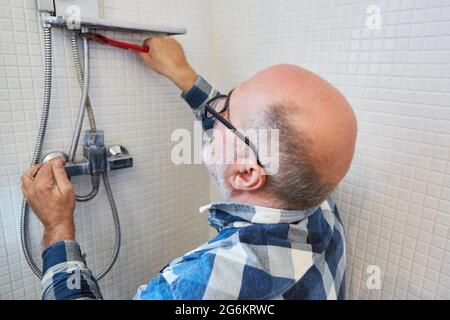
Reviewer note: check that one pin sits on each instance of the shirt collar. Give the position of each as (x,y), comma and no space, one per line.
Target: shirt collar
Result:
(224,213)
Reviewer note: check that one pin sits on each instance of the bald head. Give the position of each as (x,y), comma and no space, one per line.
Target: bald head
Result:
(317,127)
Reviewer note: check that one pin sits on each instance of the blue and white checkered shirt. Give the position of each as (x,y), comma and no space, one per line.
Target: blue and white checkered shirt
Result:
(259,253)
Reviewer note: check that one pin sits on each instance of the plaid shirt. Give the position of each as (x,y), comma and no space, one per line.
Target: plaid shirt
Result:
(259,253)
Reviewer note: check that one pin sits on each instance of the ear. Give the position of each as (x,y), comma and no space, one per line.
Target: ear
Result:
(247,177)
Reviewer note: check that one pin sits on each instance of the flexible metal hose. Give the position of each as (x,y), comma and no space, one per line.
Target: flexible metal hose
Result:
(84,96)
(38,148)
(87,105)
(80,76)
(83,81)
(117,231)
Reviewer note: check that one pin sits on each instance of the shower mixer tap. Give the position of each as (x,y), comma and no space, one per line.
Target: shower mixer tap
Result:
(97,158)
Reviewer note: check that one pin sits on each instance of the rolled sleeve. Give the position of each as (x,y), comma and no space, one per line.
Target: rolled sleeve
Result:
(66,275)
(61,252)
(197,96)
(199,93)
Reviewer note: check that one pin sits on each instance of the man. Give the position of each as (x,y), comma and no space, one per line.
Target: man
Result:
(280,235)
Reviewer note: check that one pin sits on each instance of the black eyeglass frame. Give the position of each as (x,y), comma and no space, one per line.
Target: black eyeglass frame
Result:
(217,116)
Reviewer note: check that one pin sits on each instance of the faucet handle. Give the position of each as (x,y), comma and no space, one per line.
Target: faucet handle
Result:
(53,155)
(72,168)
(117,150)
(118,157)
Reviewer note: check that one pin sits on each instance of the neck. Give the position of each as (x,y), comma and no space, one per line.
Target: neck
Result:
(261,199)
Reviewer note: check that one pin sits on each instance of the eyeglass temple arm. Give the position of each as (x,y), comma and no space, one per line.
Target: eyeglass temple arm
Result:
(245,139)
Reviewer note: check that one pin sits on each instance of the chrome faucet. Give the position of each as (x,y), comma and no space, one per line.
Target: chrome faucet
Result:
(97,158)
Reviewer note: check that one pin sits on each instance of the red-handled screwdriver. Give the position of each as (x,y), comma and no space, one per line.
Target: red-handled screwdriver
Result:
(104,40)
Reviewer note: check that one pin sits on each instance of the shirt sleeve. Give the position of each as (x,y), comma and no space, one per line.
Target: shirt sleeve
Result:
(197,96)
(66,275)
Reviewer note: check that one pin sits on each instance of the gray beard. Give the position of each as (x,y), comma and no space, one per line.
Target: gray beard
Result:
(216,171)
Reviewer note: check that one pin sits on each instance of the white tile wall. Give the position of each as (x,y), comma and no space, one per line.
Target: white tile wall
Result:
(158,201)
(395,202)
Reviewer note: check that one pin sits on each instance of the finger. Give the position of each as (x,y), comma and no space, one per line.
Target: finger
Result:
(25,190)
(28,176)
(34,169)
(144,55)
(147,42)
(44,177)
(62,180)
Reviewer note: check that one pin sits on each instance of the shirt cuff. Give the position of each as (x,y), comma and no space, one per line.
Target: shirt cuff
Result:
(59,252)
(199,93)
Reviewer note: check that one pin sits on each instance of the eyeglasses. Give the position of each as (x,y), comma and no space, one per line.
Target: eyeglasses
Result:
(219,104)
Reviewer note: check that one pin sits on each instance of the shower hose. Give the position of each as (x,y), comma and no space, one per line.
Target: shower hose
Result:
(85,105)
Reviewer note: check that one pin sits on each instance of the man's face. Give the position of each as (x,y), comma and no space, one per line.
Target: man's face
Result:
(215,169)
(223,150)
(213,152)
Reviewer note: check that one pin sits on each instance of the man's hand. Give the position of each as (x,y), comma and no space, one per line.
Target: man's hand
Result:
(50,194)
(166,57)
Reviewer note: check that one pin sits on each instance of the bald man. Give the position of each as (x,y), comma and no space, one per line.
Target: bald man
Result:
(279,232)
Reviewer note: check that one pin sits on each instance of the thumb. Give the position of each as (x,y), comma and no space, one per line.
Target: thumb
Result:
(143,54)
(146,58)
(61,178)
